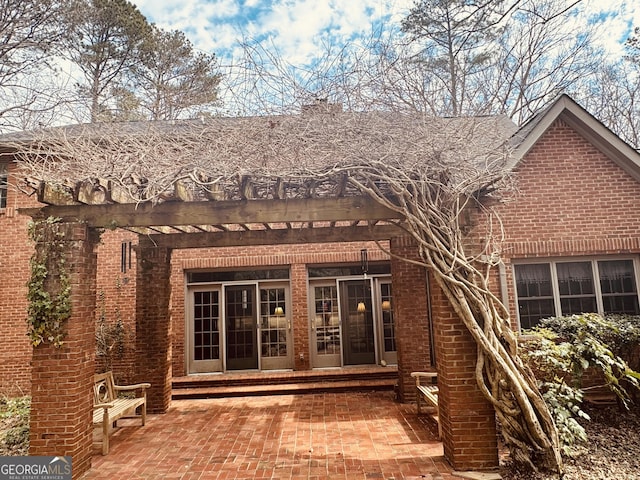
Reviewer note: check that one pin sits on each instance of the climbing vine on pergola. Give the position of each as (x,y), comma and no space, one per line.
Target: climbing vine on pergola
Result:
(439,175)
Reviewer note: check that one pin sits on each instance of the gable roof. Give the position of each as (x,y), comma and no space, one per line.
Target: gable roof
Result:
(585,124)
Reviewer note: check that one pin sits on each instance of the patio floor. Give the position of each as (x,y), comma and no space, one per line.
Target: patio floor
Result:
(312,436)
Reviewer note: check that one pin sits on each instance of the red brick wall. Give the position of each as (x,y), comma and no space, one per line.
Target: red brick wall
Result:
(153,324)
(117,299)
(467,418)
(571,200)
(411,309)
(15,252)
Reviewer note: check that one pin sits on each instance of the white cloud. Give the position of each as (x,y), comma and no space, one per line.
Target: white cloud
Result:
(296,27)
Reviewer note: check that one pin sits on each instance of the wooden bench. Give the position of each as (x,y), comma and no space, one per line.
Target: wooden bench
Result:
(108,407)
(427,391)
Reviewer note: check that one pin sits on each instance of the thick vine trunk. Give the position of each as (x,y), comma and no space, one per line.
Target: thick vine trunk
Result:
(432,210)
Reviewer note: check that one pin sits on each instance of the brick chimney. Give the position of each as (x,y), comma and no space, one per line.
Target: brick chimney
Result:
(322,105)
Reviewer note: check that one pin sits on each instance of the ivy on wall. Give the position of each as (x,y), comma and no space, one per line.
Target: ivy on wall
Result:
(49,287)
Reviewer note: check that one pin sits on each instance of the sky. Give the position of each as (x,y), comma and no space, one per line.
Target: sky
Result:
(299,28)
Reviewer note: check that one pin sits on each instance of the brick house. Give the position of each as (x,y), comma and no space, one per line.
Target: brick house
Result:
(571,245)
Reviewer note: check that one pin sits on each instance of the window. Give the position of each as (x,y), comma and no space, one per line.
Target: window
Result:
(4,177)
(570,287)
(535,293)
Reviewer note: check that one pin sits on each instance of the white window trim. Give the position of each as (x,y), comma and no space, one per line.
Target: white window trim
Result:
(552,261)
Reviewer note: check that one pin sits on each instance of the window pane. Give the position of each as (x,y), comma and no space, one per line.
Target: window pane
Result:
(3,185)
(535,297)
(577,290)
(532,311)
(576,305)
(616,276)
(273,322)
(617,282)
(575,278)
(533,280)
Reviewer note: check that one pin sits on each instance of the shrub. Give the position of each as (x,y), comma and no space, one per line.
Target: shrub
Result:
(559,352)
(14,425)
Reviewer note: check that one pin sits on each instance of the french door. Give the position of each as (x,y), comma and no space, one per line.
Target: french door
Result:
(204,330)
(239,327)
(326,328)
(358,346)
(351,322)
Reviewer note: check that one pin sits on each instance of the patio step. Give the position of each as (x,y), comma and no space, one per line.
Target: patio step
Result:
(284,383)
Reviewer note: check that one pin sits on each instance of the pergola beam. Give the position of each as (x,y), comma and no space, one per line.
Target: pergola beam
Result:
(218,212)
(272,237)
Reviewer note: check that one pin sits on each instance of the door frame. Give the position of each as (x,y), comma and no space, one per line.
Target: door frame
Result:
(338,360)
(334,320)
(390,357)
(348,324)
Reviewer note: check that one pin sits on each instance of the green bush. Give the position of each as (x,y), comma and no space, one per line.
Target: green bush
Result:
(14,423)
(559,352)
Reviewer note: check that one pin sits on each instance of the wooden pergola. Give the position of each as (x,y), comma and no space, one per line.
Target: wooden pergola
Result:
(244,210)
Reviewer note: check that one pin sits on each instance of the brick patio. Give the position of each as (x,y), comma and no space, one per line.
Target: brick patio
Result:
(314,436)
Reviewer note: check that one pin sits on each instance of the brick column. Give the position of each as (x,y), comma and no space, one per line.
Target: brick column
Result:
(153,324)
(299,294)
(467,418)
(62,377)
(411,313)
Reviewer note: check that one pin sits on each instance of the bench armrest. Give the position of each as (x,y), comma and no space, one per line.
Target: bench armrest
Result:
(420,375)
(102,405)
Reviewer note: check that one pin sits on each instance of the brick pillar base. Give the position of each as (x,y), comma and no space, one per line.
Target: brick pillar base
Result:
(153,324)
(411,314)
(62,378)
(468,419)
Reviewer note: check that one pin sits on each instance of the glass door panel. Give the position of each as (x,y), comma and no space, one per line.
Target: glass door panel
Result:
(204,332)
(357,315)
(325,327)
(275,329)
(241,327)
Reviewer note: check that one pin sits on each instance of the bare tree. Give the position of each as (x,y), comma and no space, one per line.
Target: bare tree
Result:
(104,40)
(456,39)
(541,54)
(495,57)
(29,32)
(615,95)
(172,79)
